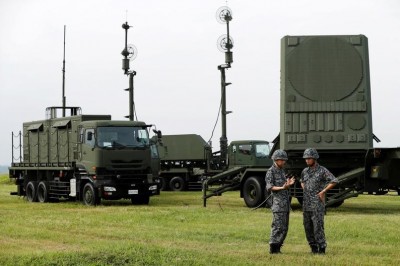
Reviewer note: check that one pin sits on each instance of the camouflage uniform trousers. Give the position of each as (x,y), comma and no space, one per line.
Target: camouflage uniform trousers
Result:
(313,222)
(279,227)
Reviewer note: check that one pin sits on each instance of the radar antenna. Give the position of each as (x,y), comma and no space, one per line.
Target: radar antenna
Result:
(129,53)
(224,44)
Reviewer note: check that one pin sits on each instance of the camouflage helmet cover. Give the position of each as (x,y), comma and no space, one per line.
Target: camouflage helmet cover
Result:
(279,155)
(310,153)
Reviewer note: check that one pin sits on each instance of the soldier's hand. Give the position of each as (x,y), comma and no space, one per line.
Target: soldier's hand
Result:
(321,195)
(291,181)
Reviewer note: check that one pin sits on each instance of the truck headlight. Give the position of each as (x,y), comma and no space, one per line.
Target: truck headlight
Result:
(154,187)
(109,189)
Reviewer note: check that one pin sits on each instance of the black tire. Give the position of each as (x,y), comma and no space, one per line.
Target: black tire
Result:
(253,192)
(30,191)
(140,200)
(177,184)
(42,192)
(89,195)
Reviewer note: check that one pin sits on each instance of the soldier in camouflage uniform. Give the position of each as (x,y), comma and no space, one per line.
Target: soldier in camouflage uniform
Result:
(315,180)
(278,185)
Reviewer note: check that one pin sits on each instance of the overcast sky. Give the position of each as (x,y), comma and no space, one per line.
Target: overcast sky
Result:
(177,86)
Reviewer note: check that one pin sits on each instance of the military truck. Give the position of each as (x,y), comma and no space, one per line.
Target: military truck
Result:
(184,160)
(187,159)
(326,104)
(86,158)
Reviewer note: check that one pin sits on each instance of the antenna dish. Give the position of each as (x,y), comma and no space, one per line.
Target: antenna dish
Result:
(224,14)
(132,52)
(224,44)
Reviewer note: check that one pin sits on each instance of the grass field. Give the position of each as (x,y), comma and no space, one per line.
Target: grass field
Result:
(175,229)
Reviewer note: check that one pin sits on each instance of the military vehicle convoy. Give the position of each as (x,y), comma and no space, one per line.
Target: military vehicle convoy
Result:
(187,159)
(86,158)
(326,104)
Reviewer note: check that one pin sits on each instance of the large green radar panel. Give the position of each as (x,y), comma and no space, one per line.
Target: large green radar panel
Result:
(325,93)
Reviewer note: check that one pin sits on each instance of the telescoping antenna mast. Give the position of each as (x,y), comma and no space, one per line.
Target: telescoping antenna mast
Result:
(224,44)
(63,82)
(129,53)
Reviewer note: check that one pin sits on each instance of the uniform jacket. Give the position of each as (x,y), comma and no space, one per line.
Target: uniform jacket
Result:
(314,181)
(280,199)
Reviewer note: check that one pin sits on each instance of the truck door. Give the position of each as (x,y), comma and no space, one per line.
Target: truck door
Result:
(87,145)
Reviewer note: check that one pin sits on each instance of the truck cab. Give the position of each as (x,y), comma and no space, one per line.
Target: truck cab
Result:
(249,152)
(115,156)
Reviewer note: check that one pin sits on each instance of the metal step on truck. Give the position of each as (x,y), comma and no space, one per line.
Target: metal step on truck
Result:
(325,103)
(86,158)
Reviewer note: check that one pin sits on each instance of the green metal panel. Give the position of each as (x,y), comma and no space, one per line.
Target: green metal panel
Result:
(325,93)
(53,141)
(182,147)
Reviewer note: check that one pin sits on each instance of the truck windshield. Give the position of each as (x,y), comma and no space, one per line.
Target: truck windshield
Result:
(120,137)
(262,150)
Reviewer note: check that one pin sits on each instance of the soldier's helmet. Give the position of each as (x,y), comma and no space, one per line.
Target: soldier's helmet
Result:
(310,153)
(279,155)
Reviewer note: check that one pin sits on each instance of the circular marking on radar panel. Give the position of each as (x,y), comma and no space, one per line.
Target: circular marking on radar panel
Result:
(324,68)
(339,138)
(317,138)
(328,138)
(356,122)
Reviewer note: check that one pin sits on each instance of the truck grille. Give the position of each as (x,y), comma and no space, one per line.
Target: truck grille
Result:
(133,164)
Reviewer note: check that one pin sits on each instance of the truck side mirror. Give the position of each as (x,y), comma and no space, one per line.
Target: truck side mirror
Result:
(89,136)
(158,132)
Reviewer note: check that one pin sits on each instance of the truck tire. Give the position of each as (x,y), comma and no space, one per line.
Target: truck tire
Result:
(177,184)
(42,192)
(30,191)
(140,200)
(253,192)
(89,195)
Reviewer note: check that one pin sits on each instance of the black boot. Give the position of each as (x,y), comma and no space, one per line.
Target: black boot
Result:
(274,248)
(321,250)
(314,249)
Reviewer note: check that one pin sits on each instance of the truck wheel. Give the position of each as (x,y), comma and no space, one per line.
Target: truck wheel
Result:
(141,200)
(42,192)
(30,191)
(177,184)
(89,195)
(253,192)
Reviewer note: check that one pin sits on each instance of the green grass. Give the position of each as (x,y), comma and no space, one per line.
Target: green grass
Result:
(175,229)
